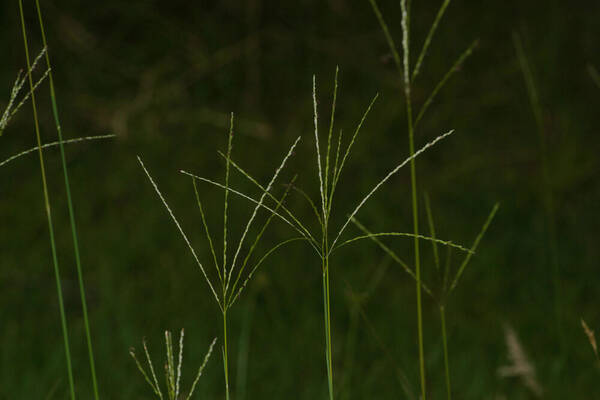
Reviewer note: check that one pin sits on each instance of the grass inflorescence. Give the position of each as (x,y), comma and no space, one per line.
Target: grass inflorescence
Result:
(234,267)
(172,369)
(407,75)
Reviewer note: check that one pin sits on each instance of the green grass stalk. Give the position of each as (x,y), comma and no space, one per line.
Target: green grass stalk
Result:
(403,67)
(327,185)
(244,350)
(445,344)
(70,207)
(225,356)
(442,305)
(226,290)
(413,186)
(63,318)
(327,315)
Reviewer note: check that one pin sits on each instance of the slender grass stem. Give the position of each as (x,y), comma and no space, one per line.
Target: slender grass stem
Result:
(327,315)
(74,235)
(225,356)
(445,344)
(413,185)
(48,210)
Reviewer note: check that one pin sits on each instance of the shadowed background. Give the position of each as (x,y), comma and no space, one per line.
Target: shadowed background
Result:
(164,76)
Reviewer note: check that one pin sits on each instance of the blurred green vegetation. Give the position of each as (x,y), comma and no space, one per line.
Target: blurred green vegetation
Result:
(164,77)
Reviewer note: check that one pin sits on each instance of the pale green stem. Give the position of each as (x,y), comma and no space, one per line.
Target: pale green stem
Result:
(71,209)
(327,315)
(445,343)
(63,317)
(413,184)
(225,358)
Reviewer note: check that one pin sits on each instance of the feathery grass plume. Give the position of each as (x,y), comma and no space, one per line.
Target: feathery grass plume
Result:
(520,365)
(323,245)
(404,69)
(57,277)
(229,286)
(11,109)
(172,372)
(547,195)
(591,338)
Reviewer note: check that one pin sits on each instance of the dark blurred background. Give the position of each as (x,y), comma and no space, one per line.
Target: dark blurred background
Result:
(164,76)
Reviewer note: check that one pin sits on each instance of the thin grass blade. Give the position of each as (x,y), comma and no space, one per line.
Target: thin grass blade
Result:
(210,242)
(52,144)
(170,368)
(258,264)
(281,217)
(260,234)
(392,254)
(179,362)
(436,256)
(386,178)
(335,89)
(310,202)
(141,369)
(199,374)
(388,36)
(316,122)
(149,360)
(229,148)
(337,154)
(57,276)
(263,189)
(260,203)
(185,238)
(403,234)
(455,67)
(462,267)
(348,149)
(70,206)
(432,30)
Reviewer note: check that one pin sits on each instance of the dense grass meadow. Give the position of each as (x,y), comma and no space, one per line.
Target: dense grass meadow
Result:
(366,199)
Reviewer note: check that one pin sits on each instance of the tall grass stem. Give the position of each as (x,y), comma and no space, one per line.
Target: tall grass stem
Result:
(70,207)
(57,277)
(445,344)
